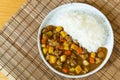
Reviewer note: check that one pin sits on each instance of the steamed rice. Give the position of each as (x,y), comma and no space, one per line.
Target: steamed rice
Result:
(84,28)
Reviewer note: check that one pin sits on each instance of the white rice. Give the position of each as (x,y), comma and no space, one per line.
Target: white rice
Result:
(86,29)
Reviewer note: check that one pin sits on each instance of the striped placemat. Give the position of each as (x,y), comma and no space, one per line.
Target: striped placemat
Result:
(19,54)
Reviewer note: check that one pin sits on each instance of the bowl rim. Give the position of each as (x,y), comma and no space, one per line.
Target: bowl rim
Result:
(91,72)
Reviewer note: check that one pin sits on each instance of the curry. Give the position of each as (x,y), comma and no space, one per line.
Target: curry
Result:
(67,55)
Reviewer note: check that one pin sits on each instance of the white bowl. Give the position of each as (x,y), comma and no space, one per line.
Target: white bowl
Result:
(85,8)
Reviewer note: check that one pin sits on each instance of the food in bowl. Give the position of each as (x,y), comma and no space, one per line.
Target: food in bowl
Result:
(66,54)
(89,39)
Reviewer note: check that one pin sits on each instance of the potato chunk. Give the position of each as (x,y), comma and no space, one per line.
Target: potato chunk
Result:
(66,46)
(51,50)
(52,59)
(73,46)
(63,33)
(59,28)
(63,58)
(45,50)
(85,63)
(92,55)
(78,69)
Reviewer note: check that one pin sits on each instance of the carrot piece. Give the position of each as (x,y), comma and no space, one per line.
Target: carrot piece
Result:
(74,46)
(43,41)
(79,50)
(65,70)
(67,52)
(92,60)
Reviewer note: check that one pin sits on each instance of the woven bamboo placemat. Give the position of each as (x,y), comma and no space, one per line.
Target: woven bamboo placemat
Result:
(18,41)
